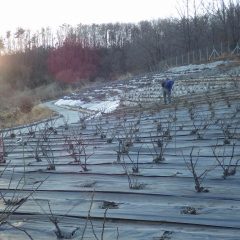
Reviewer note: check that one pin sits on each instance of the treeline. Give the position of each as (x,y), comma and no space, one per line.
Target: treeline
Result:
(107,51)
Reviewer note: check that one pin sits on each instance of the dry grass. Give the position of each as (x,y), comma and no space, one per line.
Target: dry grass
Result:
(22,107)
(19,107)
(12,118)
(50,91)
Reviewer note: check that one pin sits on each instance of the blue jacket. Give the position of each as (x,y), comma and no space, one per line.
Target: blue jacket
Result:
(168,84)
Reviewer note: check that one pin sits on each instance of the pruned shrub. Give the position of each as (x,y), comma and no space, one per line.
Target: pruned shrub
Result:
(25,104)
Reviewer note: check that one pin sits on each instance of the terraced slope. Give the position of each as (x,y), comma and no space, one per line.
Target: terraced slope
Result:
(144,171)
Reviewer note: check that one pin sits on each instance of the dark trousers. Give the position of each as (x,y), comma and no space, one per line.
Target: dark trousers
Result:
(166,95)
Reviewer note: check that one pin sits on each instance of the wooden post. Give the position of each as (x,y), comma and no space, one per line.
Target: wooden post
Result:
(2,151)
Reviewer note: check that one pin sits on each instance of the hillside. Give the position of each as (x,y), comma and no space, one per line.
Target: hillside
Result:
(119,164)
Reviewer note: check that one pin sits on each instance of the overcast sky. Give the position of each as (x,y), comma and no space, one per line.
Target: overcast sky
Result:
(34,14)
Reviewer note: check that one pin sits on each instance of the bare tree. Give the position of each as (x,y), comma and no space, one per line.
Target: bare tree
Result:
(13,198)
(76,146)
(227,162)
(191,164)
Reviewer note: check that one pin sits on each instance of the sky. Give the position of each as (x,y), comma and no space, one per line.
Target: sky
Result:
(35,14)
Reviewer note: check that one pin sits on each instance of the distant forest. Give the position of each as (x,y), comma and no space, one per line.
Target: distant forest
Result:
(108,51)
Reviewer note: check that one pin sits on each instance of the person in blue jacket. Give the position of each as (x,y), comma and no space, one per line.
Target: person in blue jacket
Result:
(167,86)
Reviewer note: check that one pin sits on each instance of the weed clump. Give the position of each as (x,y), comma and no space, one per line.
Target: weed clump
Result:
(25,104)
